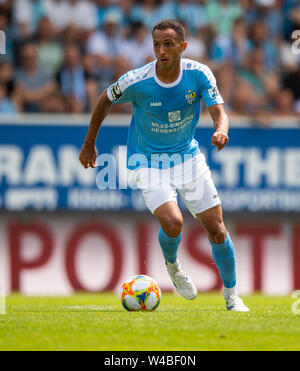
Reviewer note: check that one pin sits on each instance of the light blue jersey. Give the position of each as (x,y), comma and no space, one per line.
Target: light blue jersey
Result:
(164,115)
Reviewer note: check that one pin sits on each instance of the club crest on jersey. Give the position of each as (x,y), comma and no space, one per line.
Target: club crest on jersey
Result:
(116,92)
(190,97)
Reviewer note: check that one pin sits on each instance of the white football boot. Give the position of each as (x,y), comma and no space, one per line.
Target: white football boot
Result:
(236,304)
(183,284)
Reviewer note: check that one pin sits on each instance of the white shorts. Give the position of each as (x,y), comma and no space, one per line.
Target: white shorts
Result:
(191,179)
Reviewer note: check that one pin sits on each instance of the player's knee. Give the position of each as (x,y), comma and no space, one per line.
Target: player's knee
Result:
(219,234)
(172,226)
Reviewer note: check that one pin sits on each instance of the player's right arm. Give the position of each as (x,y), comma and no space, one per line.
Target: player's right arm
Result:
(88,151)
(118,93)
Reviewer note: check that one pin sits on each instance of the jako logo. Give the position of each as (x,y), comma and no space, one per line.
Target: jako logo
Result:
(2,42)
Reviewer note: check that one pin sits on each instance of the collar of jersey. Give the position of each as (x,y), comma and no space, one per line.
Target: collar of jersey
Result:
(170,85)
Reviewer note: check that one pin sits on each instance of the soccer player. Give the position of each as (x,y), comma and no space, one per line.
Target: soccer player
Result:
(164,156)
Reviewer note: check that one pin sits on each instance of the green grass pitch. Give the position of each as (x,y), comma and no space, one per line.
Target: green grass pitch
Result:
(99,322)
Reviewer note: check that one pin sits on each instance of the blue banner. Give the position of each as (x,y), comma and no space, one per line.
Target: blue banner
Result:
(259,169)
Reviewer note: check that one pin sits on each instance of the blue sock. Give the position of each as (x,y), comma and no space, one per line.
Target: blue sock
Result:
(224,257)
(169,245)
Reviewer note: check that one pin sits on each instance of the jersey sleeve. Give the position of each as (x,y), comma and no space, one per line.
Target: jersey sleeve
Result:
(208,88)
(121,91)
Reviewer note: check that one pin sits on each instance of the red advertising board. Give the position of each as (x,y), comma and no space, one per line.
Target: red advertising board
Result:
(57,254)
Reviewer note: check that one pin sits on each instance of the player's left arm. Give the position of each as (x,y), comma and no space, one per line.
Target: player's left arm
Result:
(221,125)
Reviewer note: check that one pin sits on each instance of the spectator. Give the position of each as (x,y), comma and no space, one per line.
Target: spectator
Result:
(147,12)
(255,88)
(105,47)
(6,104)
(228,35)
(58,11)
(249,8)
(122,66)
(122,10)
(192,14)
(82,21)
(7,80)
(83,14)
(226,77)
(33,85)
(103,7)
(234,47)
(222,14)
(140,49)
(106,44)
(71,80)
(125,8)
(167,9)
(27,15)
(50,52)
(269,12)
(285,104)
(6,7)
(195,47)
(260,38)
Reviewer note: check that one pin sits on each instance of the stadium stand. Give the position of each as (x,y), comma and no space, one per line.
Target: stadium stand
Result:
(247,44)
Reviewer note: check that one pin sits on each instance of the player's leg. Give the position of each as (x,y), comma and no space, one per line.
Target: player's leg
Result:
(222,246)
(202,200)
(161,200)
(223,253)
(171,220)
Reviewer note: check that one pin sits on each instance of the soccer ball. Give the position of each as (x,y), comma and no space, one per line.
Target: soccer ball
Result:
(140,292)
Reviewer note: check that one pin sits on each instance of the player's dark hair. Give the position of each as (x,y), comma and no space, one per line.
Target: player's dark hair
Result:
(170,23)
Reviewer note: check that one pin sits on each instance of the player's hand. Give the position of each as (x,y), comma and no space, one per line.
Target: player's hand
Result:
(88,155)
(219,139)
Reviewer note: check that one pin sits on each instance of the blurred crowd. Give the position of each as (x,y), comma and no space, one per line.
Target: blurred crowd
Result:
(61,54)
